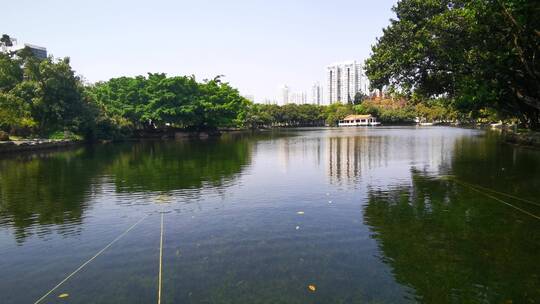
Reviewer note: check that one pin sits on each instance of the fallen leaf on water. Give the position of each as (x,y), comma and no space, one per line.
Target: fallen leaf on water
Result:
(312,288)
(64,295)
(300,212)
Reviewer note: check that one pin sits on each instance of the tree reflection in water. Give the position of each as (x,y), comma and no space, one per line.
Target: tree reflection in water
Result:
(42,192)
(453,245)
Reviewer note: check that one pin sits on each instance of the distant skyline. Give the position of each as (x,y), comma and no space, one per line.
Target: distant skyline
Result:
(258,45)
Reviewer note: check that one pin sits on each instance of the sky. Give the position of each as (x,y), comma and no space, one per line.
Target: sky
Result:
(258,45)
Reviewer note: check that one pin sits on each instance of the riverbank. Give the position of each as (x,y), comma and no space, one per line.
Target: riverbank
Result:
(35,144)
(522,138)
(25,145)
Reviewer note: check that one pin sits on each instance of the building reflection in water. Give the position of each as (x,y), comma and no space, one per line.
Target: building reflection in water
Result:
(382,157)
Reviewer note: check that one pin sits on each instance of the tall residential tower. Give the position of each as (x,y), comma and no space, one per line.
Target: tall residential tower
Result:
(316,94)
(285,95)
(344,80)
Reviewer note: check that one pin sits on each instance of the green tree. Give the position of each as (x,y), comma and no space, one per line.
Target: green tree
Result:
(359,97)
(218,105)
(43,96)
(336,112)
(6,40)
(158,101)
(256,116)
(476,54)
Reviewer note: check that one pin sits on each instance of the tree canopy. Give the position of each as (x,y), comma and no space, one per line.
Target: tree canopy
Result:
(157,101)
(40,96)
(476,54)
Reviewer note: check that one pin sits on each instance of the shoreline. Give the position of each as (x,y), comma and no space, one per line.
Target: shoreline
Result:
(12,146)
(525,138)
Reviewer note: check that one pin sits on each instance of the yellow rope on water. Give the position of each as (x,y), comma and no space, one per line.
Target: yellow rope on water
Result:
(496,198)
(160,261)
(500,193)
(90,260)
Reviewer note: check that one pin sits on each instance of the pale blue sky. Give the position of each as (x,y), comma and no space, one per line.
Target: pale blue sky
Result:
(258,45)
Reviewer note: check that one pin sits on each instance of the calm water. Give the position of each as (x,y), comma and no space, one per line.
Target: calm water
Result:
(366,215)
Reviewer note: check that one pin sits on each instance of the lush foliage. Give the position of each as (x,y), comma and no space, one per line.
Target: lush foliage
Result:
(477,55)
(40,96)
(158,101)
(336,112)
(388,111)
(290,115)
(45,98)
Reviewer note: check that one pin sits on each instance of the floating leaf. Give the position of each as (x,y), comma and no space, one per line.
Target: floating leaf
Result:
(312,288)
(64,295)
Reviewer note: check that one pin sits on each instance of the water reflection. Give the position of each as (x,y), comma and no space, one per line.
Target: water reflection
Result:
(41,192)
(385,219)
(488,162)
(452,244)
(172,166)
(380,155)
(351,156)
(51,188)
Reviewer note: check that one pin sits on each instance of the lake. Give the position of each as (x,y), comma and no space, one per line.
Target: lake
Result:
(352,215)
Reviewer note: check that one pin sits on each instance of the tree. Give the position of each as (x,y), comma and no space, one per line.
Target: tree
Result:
(256,116)
(54,94)
(359,97)
(11,72)
(157,101)
(6,40)
(477,54)
(336,112)
(218,105)
(43,96)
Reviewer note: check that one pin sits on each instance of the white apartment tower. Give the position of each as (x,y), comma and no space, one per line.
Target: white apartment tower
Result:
(316,94)
(298,97)
(344,80)
(285,94)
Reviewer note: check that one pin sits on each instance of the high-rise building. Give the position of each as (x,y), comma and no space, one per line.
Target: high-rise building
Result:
(38,51)
(298,98)
(344,80)
(285,94)
(316,94)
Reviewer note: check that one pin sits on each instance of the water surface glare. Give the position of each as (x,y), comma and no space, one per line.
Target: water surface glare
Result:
(363,215)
